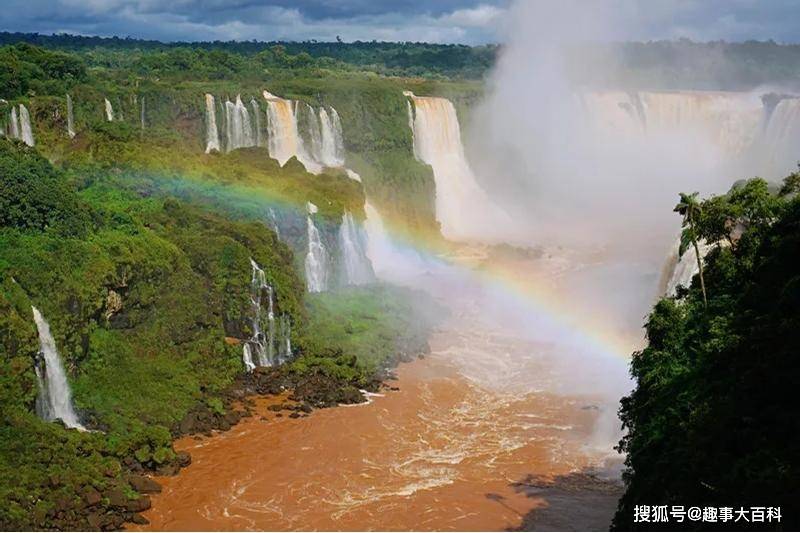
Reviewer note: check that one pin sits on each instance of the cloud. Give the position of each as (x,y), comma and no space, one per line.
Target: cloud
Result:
(462,21)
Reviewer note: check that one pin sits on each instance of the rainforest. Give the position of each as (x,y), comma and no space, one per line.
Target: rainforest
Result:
(547,284)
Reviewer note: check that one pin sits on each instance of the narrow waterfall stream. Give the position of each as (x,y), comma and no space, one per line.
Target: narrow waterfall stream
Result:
(54,401)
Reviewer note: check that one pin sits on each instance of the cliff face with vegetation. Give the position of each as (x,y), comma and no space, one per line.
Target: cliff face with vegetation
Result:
(136,247)
(714,418)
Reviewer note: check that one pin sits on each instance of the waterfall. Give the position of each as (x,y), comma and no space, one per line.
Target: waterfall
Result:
(70,118)
(26,132)
(261,344)
(281,128)
(54,400)
(331,146)
(781,138)
(14,124)
(271,342)
(315,133)
(273,223)
(141,114)
(317,256)
(109,110)
(357,269)
(212,134)
(295,129)
(683,268)
(237,125)
(257,121)
(462,207)
(285,340)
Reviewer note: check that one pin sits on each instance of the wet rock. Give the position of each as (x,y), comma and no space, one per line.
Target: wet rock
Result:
(139,519)
(168,469)
(91,496)
(294,415)
(94,521)
(305,407)
(183,459)
(143,484)
(116,498)
(140,504)
(275,408)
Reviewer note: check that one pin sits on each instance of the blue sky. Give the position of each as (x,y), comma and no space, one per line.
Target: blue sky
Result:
(460,21)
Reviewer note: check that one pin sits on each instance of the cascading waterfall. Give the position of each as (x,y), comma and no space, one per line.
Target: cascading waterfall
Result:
(142,113)
(212,134)
(317,256)
(25,126)
(271,342)
(682,269)
(109,110)
(321,143)
(744,130)
(283,139)
(356,266)
(237,125)
(257,122)
(261,343)
(781,138)
(13,124)
(70,118)
(462,207)
(312,125)
(285,340)
(54,401)
(331,150)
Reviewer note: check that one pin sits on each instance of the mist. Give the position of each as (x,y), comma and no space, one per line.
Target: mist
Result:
(562,157)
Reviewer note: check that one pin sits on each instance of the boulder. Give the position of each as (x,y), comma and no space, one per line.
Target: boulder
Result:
(116,497)
(183,459)
(139,519)
(140,504)
(143,484)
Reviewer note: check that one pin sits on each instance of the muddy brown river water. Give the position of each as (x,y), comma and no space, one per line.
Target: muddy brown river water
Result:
(455,448)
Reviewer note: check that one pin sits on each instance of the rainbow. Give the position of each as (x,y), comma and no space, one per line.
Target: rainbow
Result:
(534,295)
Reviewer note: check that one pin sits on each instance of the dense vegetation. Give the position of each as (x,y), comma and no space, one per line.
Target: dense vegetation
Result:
(147,298)
(714,419)
(236,58)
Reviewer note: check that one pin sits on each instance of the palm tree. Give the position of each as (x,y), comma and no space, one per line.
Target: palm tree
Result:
(689,208)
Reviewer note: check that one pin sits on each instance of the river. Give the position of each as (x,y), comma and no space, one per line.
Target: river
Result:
(479,436)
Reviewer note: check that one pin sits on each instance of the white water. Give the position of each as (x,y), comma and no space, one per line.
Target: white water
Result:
(295,129)
(142,113)
(238,128)
(212,134)
(261,344)
(256,122)
(317,256)
(271,342)
(463,208)
(356,266)
(281,128)
(331,150)
(70,118)
(684,268)
(26,132)
(109,110)
(781,138)
(55,400)
(13,124)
